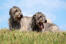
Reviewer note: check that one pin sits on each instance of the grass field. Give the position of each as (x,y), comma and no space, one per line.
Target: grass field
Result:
(17,37)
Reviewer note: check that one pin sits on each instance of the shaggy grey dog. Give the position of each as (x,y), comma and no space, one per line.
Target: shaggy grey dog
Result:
(15,18)
(39,23)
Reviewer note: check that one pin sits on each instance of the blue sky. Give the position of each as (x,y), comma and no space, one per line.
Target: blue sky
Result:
(53,9)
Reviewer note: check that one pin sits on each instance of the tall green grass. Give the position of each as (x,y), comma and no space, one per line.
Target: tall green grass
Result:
(17,37)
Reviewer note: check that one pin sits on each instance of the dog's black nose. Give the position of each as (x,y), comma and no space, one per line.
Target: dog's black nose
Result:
(45,21)
(21,16)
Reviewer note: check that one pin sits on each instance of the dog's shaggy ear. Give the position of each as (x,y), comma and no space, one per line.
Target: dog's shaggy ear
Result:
(10,12)
(34,18)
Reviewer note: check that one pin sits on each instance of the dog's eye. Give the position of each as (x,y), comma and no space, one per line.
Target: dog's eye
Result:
(16,10)
(40,16)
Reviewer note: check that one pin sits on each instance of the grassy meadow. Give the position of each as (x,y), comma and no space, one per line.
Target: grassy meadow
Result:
(17,37)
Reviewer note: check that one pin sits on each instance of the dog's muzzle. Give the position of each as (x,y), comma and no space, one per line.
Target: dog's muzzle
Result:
(19,17)
(41,25)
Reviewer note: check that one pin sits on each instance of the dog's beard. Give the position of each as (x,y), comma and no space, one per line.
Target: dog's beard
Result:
(17,18)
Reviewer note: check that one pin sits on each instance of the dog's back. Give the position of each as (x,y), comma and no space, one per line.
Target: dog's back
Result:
(25,23)
(50,27)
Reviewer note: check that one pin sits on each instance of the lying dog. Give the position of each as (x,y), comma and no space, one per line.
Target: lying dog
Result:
(15,18)
(39,23)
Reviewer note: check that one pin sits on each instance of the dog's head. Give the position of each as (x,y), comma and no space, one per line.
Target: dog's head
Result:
(39,19)
(15,13)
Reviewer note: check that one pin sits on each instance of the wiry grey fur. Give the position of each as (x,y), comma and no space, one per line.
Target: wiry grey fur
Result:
(26,23)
